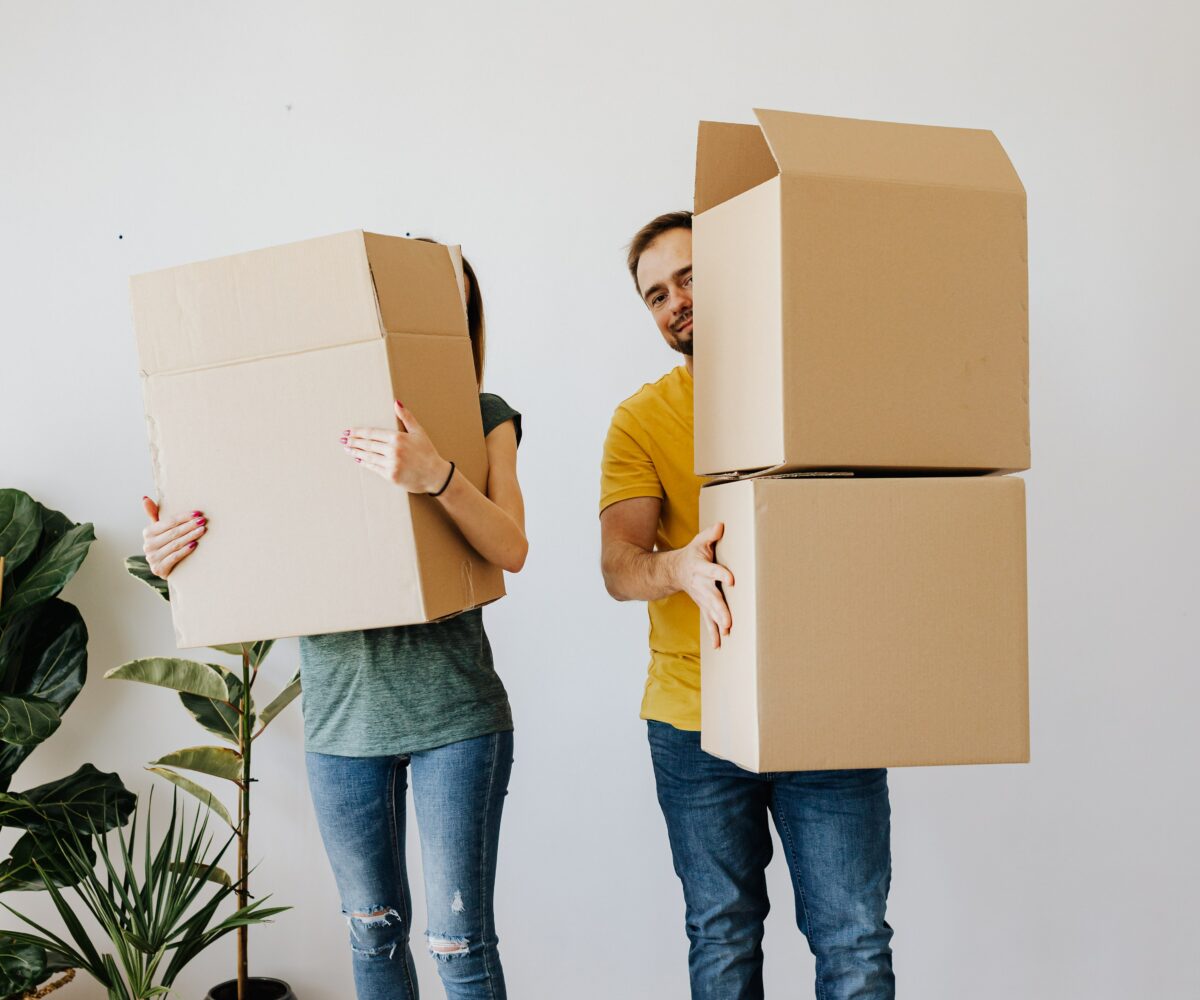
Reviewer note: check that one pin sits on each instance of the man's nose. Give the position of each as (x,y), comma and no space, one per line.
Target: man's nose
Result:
(681,301)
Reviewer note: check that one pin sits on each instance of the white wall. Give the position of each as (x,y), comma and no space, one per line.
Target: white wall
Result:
(135,135)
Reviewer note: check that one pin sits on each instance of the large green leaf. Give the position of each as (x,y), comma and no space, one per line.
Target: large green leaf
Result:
(19,968)
(208,690)
(280,702)
(18,872)
(137,566)
(85,799)
(55,524)
(220,762)
(27,721)
(20,526)
(43,652)
(52,525)
(22,965)
(51,570)
(191,676)
(219,716)
(199,791)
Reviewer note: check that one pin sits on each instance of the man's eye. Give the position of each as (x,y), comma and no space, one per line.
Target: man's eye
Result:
(657,300)
(687,282)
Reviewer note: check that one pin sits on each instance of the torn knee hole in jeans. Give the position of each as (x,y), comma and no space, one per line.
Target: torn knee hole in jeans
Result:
(375,931)
(447,947)
(378,916)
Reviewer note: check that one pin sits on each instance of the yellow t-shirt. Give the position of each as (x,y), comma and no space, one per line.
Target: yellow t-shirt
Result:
(648,453)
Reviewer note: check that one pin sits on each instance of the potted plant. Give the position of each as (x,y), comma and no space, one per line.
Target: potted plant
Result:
(157,919)
(221,700)
(43,665)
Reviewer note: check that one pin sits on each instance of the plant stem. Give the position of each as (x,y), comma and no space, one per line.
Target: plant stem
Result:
(243,892)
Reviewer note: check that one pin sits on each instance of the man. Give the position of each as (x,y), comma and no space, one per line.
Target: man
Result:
(834,825)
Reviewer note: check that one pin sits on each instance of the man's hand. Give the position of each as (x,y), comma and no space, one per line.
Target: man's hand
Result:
(635,571)
(697,574)
(404,457)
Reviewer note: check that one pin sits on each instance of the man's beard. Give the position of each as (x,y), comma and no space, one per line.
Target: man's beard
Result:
(677,344)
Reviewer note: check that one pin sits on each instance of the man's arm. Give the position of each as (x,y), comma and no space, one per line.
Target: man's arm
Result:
(634,571)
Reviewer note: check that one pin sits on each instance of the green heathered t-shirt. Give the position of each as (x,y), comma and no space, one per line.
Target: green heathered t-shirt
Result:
(397,690)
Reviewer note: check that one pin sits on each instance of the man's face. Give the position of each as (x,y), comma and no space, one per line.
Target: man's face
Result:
(664,277)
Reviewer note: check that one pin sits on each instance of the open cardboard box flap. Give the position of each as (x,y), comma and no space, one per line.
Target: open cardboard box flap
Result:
(733,158)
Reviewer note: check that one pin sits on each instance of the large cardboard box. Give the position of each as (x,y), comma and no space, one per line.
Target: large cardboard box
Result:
(252,366)
(860,298)
(876,622)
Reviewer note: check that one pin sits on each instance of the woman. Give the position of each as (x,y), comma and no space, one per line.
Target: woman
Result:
(420,698)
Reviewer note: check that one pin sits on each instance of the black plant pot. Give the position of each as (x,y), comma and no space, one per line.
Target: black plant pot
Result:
(257,988)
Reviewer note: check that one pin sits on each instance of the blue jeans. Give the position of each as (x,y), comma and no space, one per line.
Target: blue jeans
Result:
(459,791)
(836,829)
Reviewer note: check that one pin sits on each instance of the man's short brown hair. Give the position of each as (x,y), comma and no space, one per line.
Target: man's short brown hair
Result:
(651,231)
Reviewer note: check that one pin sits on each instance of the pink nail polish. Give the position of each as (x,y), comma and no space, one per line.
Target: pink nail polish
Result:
(191,545)
(202,521)
(197,513)
(359,460)
(343,440)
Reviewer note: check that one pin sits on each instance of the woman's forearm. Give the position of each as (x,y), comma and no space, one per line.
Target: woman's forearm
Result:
(490,529)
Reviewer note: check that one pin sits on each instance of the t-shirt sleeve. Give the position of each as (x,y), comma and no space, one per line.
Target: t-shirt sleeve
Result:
(496,411)
(626,470)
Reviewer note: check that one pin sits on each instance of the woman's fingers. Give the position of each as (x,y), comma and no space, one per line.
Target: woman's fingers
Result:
(163,525)
(179,541)
(163,559)
(359,446)
(166,542)
(359,434)
(172,560)
(376,464)
(162,533)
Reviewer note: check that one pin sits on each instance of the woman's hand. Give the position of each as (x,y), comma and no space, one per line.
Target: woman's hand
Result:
(405,457)
(167,543)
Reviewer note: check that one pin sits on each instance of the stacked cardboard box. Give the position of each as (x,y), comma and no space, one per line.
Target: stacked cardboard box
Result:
(252,366)
(861,368)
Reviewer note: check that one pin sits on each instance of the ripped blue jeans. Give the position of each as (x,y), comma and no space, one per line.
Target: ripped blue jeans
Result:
(458,790)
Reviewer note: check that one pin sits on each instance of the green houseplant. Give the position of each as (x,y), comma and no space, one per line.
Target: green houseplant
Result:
(221,700)
(156,920)
(43,665)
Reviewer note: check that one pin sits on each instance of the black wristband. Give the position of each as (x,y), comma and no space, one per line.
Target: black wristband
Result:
(449,476)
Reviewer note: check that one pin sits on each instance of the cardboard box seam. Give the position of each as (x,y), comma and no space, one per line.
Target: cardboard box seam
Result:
(251,359)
